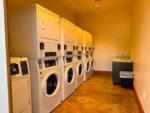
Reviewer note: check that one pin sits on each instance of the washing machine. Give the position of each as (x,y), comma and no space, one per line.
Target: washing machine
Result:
(69,77)
(47,77)
(50,84)
(91,50)
(41,44)
(20,85)
(91,65)
(87,66)
(79,53)
(79,65)
(88,55)
(68,53)
(79,70)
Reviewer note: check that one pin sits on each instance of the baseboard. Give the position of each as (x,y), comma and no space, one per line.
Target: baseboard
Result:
(103,72)
(141,110)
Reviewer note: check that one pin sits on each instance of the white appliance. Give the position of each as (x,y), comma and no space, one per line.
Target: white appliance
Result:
(47,78)
(91,61)
(87,66)
(68,85)
(50,84)
(39,40)
(31,26)
(20,85)
(79,62)
(79,71)
(91,65)
(87,54)
(68,45)
(91,50)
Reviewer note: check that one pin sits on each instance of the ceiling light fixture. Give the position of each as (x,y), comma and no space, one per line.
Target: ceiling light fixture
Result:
(97,3)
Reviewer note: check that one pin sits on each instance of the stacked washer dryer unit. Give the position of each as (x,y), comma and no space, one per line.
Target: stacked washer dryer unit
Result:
(91,54)
(39,40)
(20,85)
(68,44)
(87,55)
(79,53)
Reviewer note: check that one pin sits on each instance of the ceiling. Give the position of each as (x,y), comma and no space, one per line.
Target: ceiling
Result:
(81,7)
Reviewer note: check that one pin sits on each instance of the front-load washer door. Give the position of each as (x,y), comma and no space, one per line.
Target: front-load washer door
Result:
(79,70)
(88,66)
(70,75)
(51,85)
(92,64)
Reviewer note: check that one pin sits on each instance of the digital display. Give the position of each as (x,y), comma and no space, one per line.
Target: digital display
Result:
(68,60)
(50,63)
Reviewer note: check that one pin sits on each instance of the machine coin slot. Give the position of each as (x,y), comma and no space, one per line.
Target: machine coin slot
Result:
(68,60)
(58,46)
(41,46)
(69,53)
(50,63)
(65,47)
(14,69)
(50,54)
(24,67)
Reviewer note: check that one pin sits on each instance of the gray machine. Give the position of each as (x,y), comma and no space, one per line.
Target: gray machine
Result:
(120,65)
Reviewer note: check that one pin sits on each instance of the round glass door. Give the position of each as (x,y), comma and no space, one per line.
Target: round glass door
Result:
(70,75)
(92,63)
(80,70)
(51,84)
(88,66)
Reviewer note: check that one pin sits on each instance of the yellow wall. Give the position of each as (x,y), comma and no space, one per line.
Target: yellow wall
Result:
(53,5)
(111,35)
(140,50)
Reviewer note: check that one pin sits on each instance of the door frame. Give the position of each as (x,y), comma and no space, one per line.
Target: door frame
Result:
(5,105)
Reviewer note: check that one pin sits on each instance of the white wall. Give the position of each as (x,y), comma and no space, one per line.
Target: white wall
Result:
(140,50)
(112,35)
(4,76)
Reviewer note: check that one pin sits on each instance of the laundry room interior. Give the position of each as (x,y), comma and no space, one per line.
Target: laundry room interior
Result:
(74,56)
